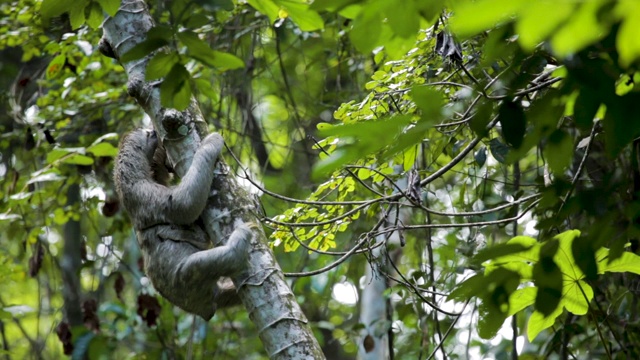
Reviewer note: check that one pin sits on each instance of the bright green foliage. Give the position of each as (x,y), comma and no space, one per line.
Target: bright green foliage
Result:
(568,25)
(80,12)
(474,122)
(525,260)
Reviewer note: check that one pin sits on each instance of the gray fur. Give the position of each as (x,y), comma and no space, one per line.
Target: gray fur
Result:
(175,248)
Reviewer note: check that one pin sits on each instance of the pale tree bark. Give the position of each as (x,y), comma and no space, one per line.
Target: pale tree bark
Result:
(375,308)
(376,341)
(282,326)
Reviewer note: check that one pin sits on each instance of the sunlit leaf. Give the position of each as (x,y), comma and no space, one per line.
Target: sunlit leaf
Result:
(531,30)
(305,18)
(95,16)
(103,149)
(628,262)
(266,7)
(627,39)
(110,6)
(77,14)
(78,159)
(538,322)
(521,299)
(53,8)
(55,66)
(582,28)
(331,5)
(471,17)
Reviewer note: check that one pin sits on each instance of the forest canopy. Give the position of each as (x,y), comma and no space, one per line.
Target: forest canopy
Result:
(435,179)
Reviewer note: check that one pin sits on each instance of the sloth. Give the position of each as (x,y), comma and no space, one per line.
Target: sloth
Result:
(175,248)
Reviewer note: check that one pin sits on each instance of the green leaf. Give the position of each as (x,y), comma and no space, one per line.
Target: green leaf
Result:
(500,251)
(489,322)
(266,7)
(332,5)
(366,31)
(224,61)
(78,159)
(175,91)
(471,17)
(585,107)
(53,8)
(200,51)
(498,150)
(627,39)
(110,6)
(628,262)
(160,65)
(582,28)
(103,149)
(157,37)
(429,101)
(548,279)
(531,31)
(77,13)
(55,66)
(618,129)
(481,156)
(514,124)
(585,257)
(95,16)
(206,88)
(576,297)
(521,299)
(305,18)
(371,130)
(500,285)
(559,151)
(196,21)
(361,139)
(69,156)
(473,286)
(481,118)
(539,322)
(409,138)
(404,20)
(81,346)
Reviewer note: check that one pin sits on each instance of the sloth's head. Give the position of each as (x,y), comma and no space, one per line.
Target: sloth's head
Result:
(144,142)
(135,157)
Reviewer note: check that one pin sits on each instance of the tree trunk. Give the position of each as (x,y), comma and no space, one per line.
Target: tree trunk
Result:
(282,326)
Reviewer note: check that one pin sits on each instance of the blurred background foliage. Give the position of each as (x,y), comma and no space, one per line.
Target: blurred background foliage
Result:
(415,137)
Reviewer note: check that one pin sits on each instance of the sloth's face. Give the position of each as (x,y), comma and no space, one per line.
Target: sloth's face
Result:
(151,142)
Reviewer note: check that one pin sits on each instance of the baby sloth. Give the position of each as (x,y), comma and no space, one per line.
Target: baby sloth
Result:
(175,248)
